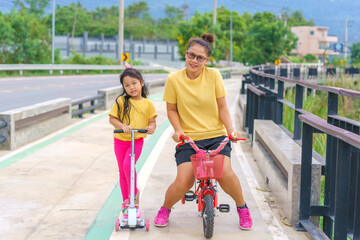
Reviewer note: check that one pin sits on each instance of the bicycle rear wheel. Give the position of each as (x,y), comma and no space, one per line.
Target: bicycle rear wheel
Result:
(208,215)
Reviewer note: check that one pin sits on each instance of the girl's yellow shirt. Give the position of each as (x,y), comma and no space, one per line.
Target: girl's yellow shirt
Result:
(140,113)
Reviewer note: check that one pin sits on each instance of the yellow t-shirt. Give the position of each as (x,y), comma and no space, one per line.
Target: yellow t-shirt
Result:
(140,113)
(196,102)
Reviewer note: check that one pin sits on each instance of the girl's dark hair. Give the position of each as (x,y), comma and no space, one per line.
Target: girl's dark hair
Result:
(125,109)
(205,41)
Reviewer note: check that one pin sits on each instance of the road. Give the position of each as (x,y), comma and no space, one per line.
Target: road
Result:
(24,91)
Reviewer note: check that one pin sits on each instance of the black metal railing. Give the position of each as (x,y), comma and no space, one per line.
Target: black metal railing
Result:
(87,105)
(265,100)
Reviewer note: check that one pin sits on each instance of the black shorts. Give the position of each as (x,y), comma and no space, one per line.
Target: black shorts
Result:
(184,152)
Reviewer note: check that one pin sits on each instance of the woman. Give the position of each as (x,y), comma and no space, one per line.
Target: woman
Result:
(196,107)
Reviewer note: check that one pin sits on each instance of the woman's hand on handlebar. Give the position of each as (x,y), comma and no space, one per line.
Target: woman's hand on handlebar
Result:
(176,136)
(126,129)
(234,136)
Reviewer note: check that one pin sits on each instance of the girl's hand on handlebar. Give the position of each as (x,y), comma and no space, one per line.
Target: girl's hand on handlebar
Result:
(150,129)
(176,136)
(126,129)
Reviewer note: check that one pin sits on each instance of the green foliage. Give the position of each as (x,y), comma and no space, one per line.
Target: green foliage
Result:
(96,60)
(35,7)
(355,53)
(23,39)
(167,27)
(267,39)
(317,104)
(297,19)
(310,58)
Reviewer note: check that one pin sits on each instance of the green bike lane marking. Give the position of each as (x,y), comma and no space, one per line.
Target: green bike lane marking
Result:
(21,155)
(103,225)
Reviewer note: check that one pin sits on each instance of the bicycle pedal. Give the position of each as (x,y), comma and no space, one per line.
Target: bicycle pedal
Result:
(224,208)
(190,196)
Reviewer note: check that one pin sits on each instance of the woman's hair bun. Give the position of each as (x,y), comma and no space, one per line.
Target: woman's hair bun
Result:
(208,37)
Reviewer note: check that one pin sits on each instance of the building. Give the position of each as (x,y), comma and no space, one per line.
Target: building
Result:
(314,40)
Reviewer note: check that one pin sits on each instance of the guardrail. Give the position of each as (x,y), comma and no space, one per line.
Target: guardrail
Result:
(340,211)
(62,67)
(82,109)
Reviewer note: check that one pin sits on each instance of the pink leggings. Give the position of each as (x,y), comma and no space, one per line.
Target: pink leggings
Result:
(122,152)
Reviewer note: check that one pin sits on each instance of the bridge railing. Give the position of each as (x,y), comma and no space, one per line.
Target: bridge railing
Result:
(341,209)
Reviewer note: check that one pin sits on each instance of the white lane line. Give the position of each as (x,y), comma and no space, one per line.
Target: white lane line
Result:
(264,208)
(144,175)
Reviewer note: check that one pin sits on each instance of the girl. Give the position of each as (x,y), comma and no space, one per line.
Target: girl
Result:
(131,110)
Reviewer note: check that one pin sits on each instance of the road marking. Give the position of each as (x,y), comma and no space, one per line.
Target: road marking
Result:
(103,224)
(260,200)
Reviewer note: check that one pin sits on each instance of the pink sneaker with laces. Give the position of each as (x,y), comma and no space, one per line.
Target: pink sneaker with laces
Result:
(244,218)
(162,217)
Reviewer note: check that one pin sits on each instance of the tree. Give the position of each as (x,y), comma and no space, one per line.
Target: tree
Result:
(138,21)
(267,39)
(355,53)
(201,23)
(23,39)
(310,58)
(297,19)
(167,27)
(69,17)
(32,6)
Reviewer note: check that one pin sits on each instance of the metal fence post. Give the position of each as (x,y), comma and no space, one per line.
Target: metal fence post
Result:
(298,105)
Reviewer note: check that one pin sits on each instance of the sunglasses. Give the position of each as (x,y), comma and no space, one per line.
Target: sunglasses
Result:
(199,58)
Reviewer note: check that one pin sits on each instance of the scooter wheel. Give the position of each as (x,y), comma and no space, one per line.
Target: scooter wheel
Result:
(147,224)
(117,224)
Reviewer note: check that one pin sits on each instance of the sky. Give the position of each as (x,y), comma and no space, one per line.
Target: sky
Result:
(329,13)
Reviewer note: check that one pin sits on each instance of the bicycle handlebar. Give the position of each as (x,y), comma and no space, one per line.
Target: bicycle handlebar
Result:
(184,139)
(133,130)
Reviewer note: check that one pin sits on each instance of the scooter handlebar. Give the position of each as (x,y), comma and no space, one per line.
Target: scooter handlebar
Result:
(133,130)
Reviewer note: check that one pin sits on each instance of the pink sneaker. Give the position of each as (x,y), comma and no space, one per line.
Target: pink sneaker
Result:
(162,217)
(244,218)
(124,207)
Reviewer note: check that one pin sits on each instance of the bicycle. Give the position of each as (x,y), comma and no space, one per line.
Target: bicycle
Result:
(207,166)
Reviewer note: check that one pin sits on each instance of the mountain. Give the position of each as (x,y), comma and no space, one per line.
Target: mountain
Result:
(328,13)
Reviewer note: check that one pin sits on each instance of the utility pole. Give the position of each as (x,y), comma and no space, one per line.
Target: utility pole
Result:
(185,7)
(53,35)
(346,38)
(121,32)
(214,12)
(231,39)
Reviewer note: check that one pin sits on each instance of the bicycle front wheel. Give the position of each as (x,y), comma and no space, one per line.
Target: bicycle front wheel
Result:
(208,215)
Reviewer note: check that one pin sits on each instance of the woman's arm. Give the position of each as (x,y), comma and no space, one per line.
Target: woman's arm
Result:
(119,125)
(174,119)
(225,115)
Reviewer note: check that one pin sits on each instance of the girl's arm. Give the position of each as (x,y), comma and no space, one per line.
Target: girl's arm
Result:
(119,125)
(152,125)
(174,119)
(225,115)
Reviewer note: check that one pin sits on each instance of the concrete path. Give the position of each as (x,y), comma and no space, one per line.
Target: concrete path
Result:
(65,186)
